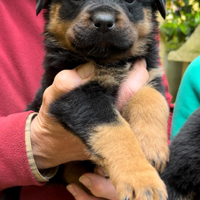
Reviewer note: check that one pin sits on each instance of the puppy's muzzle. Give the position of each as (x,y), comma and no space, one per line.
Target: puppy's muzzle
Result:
(103,22)
(103,18)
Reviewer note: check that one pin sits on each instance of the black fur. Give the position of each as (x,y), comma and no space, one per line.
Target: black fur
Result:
(82,103)
(92,104)
(160,4)
(82,109)
(182,173)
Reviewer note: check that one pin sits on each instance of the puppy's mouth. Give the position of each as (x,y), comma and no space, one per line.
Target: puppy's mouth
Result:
(101,31)
(101,49)
(98,46)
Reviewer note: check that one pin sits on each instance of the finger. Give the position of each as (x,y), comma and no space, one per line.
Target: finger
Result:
(101,171)
(67,80)
(99,186)
(80,194)
(136,79)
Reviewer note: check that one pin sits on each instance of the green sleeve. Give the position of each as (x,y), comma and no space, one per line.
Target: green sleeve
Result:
(188,97)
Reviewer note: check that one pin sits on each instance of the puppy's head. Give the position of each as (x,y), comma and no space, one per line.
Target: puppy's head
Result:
(102,28)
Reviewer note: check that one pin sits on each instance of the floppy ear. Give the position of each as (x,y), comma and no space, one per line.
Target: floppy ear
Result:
(40,5)
(161,7)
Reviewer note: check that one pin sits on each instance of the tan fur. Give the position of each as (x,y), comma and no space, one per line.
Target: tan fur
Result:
(58,27)
(111,76)
(121,156)
(144,27)
(154,73)
(64,31)
(147,114)
(119,147)
(81,21)
(138,35)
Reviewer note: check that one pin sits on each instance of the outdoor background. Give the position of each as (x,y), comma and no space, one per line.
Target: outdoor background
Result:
(179,39)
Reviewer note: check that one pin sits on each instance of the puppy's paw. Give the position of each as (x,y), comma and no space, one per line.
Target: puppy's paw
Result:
(157,153)
(141,185)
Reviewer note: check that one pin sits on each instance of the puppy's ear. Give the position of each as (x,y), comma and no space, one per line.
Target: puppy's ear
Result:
(40,5)
(161,7)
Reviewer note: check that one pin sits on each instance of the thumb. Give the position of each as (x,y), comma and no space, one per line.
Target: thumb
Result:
(67,80)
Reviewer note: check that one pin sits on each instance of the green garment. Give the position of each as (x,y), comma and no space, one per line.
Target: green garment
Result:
(188,97)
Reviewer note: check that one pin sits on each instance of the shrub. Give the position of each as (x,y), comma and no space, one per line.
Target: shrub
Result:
(183,16)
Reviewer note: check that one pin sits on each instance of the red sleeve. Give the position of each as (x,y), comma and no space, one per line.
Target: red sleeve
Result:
(171,105)
(167,95)
(14,166)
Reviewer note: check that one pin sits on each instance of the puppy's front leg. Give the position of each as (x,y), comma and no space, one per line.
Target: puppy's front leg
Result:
(115,148)
(147,114)
(90,114)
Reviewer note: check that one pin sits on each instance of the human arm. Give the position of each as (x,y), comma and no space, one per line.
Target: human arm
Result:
(58,146)
(15,169)
(130,91)
(14,166)
(13,148)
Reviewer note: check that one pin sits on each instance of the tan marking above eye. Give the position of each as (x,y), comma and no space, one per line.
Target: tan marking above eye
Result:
(58,27)
(145,26)
(64,31)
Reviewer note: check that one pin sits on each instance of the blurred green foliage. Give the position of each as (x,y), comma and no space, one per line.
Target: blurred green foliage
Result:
(183,16)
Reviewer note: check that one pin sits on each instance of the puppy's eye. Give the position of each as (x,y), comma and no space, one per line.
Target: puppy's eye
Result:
(129,1)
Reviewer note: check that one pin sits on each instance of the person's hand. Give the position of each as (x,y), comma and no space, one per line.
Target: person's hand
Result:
(52,145)
(136,79)
(99,186)
(46,134)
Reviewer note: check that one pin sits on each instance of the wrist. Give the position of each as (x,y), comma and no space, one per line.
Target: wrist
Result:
(42,175)
(52,145)
(39,149)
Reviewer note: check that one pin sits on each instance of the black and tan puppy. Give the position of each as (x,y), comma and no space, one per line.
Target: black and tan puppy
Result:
(182,173)
(112,35)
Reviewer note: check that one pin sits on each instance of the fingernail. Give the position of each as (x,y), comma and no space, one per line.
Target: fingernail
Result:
(85,70)
(85,181)
(101,172)
(72,190)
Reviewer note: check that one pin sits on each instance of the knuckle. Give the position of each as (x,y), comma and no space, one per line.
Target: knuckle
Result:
(45,96)
(59,82)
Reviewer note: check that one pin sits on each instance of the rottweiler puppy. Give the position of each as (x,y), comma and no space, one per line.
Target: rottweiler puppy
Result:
(111,35)
(182,172)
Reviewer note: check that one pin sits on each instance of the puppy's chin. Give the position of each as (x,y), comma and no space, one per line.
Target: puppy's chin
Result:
(99,51)
(101,48)
(92,43)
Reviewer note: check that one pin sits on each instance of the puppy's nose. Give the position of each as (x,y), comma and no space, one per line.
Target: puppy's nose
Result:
(104,22)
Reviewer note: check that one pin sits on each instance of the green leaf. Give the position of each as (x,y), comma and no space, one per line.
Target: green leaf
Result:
(184,28)
(197,18)
(182,21)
